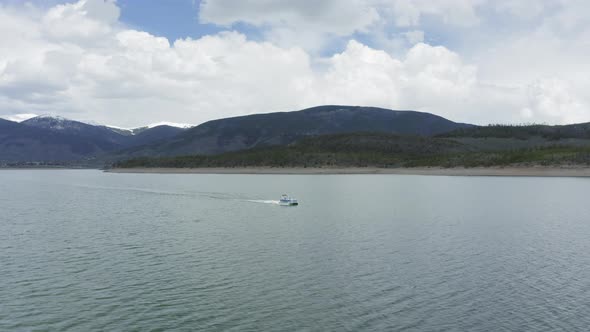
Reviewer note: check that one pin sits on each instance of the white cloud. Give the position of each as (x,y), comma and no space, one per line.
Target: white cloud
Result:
(311,24)
(526,9)
(307,23)
(414,36)
(339,17)
(408,13)
(83,21)
(555,101)
(109,73)
(429,78)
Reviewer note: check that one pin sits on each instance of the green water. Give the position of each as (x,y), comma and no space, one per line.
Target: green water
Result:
(86,250)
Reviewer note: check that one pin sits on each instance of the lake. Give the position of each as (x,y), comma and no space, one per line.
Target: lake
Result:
(83,250)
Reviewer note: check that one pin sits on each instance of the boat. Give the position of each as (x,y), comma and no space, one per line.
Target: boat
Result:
(288,201)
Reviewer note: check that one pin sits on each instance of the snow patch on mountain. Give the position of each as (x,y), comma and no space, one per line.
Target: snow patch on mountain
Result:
(57,122)
(54,122)
(135,131)
(18,117)
(171,124)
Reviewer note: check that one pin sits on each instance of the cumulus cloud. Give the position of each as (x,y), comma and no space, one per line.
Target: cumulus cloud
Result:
(82,21)
(112,74)
(527,9)
(138,74)
(337,16)
(408,13)
(414,36)
(554,100)
(340,17)
(307,23)
(312,24)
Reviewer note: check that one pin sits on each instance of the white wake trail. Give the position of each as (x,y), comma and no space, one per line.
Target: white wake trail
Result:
(263,201)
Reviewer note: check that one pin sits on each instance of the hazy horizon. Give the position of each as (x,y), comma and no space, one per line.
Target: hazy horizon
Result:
(23,117)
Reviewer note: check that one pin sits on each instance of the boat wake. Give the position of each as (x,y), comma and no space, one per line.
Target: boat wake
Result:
(263,201)
(138,190)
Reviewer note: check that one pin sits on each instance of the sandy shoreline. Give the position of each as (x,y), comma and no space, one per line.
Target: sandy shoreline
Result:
(479,171)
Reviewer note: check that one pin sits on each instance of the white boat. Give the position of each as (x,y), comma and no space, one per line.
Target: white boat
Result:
(288,201)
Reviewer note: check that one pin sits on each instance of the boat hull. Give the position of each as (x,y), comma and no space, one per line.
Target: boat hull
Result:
(288,203)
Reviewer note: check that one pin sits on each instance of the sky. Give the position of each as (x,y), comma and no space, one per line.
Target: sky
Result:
(130,63)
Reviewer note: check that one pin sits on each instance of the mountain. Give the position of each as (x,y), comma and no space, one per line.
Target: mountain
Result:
(46,138)
(6,125)
(121,137)
(334,150)
(382,150)
(21,142)
(150,135)
(76,128)
(283,128)
(324,135)
(558,132)
(138,130)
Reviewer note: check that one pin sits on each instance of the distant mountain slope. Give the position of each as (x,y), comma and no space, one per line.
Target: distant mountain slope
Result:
(7,124)
(134,131)
(380,150)
(154,134)
(20,142)
(123,138)
(80,129)
(335,150)
(578,131)
(58,139)
(283,128)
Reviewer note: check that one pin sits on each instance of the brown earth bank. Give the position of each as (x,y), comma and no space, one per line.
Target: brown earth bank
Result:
(564,171)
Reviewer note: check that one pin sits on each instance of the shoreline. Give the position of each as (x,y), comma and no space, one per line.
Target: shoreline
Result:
(45,168)
(532,171)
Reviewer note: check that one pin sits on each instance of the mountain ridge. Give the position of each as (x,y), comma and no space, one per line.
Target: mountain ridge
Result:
(50,138)
(382,150)
(282,128)
(93,123)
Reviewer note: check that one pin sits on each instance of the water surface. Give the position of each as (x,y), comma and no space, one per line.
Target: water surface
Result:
(86,250)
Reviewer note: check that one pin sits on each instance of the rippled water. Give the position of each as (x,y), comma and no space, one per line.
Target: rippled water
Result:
(85,250)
